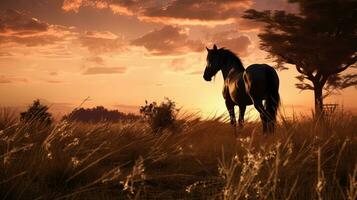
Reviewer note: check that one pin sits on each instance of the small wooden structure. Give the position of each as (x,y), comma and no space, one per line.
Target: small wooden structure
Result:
(329,109)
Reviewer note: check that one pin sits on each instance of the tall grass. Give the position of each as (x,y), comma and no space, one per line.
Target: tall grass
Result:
(201,160)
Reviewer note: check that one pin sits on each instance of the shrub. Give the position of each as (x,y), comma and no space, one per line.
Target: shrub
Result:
(98,114)
(37,113)
(161,116)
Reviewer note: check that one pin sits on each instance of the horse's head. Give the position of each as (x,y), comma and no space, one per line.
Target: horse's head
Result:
(213,63)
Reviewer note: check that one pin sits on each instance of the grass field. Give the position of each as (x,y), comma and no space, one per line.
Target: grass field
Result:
(200,160)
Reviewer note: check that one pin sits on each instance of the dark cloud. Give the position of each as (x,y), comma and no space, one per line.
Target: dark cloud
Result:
(20,23)
(202,10)
(169,40)
(20,28)
(245,25)
(169,11)
(276,5)
(102,42)
(238,44)
(30,41)
(104,70)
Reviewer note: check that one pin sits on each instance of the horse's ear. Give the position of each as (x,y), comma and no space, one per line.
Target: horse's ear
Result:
(207,49)
(214,47)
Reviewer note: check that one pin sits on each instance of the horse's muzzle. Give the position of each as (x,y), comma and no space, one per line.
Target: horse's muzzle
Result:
(207,78)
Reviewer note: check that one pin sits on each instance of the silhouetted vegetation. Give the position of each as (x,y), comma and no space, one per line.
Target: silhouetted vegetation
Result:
(320,41)
(202,161)
(99,114)
(160,116)
(37,113)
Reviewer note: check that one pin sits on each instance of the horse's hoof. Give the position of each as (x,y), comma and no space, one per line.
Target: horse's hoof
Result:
(233,123)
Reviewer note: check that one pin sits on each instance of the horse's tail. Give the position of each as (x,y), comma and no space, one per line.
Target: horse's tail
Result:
(273,101)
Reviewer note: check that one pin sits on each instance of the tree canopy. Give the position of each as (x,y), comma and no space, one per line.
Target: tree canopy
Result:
(320,41)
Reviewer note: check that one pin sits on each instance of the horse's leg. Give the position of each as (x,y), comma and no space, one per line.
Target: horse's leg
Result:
(259,106)
(230,108)
(271,109)
(241,115)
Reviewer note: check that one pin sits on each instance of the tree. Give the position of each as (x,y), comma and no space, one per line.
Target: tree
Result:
(37,113)
(321,41)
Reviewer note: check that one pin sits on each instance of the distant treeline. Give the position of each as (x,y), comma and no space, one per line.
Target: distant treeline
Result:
(98,114)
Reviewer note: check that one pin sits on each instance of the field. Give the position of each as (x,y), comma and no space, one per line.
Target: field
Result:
(200,160)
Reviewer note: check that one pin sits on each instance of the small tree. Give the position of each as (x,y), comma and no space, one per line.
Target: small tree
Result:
(320,41)
(160,116)
(37,113)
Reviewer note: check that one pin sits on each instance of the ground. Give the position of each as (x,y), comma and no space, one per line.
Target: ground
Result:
(201,159)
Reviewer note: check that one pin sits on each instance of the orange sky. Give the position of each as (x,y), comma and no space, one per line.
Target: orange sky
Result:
(121,52)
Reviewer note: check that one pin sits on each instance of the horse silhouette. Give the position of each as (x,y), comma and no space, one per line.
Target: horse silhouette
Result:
(244,87)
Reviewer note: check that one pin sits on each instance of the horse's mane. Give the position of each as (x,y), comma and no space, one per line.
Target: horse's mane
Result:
(232,56)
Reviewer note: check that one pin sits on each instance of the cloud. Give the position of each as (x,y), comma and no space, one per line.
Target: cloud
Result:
(13,21)
(197,12)
(54,81)
(9,79)
(245,25)
(102,42)
(104,70)
(19,28)
(277,5)
(53,73)
(4,79)
(238,44)
(169,40)
(72,5)
(56,51)
(31,41)
(96,59)
(5,54)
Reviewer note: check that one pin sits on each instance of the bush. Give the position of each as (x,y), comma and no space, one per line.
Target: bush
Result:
(98,114)
(161,116)
(37,113)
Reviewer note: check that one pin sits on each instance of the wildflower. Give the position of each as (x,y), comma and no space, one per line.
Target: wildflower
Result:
(74,143)
(49,155)
(236,158)
(75,161)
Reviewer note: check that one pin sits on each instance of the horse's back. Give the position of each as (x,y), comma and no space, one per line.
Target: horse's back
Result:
(260,80)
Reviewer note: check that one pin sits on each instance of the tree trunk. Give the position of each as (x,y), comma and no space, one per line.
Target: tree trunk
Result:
(318,100)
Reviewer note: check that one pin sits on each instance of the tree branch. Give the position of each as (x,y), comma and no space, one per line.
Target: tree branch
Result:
(304,86)
(351,62)
(307,74)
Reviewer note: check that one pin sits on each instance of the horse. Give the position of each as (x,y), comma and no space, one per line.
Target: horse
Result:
(244,87)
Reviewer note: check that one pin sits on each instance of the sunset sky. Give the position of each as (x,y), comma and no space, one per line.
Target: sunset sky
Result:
(123,52)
